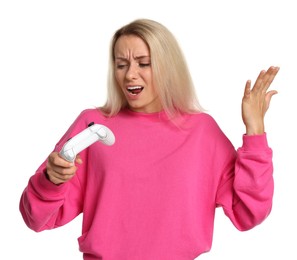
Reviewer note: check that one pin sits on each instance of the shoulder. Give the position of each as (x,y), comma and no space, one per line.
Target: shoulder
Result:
(205,124)
(91,115)
(85,117)
(203,120)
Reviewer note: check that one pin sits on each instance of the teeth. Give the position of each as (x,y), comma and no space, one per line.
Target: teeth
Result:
(134,87)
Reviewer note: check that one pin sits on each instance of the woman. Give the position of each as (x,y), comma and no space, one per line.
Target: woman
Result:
(153,194)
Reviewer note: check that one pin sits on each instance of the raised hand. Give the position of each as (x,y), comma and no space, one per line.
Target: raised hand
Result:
(256,101)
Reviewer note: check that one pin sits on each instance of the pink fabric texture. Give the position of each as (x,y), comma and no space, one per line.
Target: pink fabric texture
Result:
(153,194)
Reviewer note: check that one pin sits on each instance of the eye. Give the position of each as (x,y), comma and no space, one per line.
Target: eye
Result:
(143,65)
(121,66)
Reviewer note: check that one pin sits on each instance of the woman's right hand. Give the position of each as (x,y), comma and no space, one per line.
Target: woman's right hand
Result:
(59,170)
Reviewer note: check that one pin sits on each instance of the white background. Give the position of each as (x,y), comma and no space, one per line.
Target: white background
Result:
(53,64)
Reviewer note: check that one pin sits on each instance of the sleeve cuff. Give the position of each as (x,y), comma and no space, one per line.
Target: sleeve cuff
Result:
(255,142)
(51,189)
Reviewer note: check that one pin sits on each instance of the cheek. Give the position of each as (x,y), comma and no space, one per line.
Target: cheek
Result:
(148,76)
(149,80)
(118,78)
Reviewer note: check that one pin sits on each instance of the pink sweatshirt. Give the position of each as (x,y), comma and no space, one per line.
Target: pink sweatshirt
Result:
(153,194)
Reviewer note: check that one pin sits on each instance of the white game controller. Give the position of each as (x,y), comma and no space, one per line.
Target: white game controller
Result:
(93,133)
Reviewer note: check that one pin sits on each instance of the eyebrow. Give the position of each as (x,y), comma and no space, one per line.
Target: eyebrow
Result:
(136,58)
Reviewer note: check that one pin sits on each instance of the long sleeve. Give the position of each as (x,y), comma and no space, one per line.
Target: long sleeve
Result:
(42,203)
(246,192)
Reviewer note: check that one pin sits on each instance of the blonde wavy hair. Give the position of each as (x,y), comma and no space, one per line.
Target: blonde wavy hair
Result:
(171,76)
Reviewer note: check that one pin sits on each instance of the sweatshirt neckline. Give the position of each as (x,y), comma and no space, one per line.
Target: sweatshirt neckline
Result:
(161,115)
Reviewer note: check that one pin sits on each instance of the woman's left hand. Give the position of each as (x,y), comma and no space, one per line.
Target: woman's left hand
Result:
(255,101)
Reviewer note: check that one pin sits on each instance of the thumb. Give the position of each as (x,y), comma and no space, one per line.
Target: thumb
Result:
(268,97)
(78,159)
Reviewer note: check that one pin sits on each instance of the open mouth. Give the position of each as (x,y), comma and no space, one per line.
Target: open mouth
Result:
(135,90)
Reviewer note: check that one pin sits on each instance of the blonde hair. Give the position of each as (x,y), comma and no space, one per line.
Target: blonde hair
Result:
(172,79)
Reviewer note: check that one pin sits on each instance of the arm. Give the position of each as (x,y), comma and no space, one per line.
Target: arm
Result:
(54,194)
(45,205)
(246,189)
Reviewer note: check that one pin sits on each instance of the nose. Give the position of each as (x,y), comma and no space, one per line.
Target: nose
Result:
(132,72)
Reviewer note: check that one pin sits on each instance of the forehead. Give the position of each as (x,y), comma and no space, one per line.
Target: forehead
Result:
(128,45)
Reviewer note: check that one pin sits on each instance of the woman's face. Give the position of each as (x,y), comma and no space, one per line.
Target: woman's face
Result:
(133,74)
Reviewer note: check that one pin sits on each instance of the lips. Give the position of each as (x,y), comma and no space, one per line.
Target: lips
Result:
(134,90)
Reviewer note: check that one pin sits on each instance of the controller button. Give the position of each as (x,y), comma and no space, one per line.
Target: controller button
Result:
(102,133)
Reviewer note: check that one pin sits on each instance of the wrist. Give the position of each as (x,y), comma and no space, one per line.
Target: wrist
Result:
(255,131)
